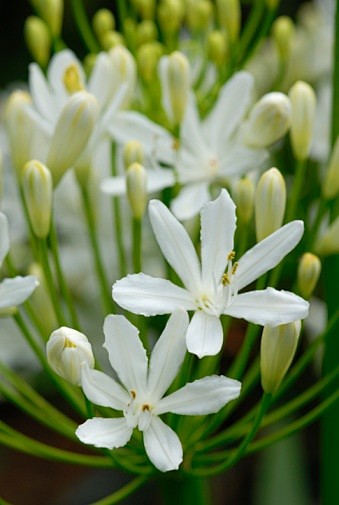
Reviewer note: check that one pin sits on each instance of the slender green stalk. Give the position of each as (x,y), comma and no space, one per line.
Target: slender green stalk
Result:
(298,183)
(84,28)
(136,244)
(61,278)
(251,27)
(238,366)
(99,267)
(122,13)
(184,489)
(124,492)
(116,211)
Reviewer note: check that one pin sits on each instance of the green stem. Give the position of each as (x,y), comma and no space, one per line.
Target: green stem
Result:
(116,211)
(184,489)
(124,492)
(298,183)
(84,28)
(238,366)
(61,279)
(99,267)
(137,242)
(251,27)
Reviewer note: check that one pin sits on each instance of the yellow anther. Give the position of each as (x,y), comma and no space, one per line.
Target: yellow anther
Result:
(69,344)
(133,394)
(72,79)
(235,268)
(225,280)
(231,256)
(176,144)
(146,407)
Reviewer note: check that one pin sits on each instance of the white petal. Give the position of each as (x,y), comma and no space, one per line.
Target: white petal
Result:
(203,396)
(41,94)
(192,136)
(233,101)
(156,141)
(4,237)
(190,200)
(236,160)
(168,354)
(17,290)
(150,296)
(175,244)
(268,253)
(60,62)
(163,446)
(156,180)
(102,389)
(218,223)
(101,80)
(204,335)
(126,353)
(107,433)
(115,186)
(269,307)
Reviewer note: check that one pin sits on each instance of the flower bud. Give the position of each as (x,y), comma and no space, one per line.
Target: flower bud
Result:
(229,16)
(303,103)
(148,56)
(244,199)
(278,346)
(124,70)
(1,175)
(66,350)
(146,32)
(268,121)
(330,187)
(38,189)
(198,14)
(133,153)
(38,39)
(328,243)
(145,8)
(103,21)
(52,12)
(170,16)
(136,179)
(270,202)
(112,39)
(308,274)
(174,71)
(217,47)
(73,129)
(283,34)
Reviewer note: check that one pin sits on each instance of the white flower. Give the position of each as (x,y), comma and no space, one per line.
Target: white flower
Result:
(211,289)
(143,385)
(17,290)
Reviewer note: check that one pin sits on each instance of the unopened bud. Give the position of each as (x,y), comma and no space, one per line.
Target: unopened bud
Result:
(268,121)
(229,16)
(66,350)
(136,180)
(170,16)
(73,129)
(52,12)
(278,347)
(124,70)
(217,47)
(145,8)
(198,14)
(303,103)
(283,33)
(111,39)
(308,274)
(148,56)
(328,243)
(133,153)
(272,4)
(244,199)
(103,22)
(330,187)
(174,73)
(38,189)
(38,39)
(146,32)
(270,202)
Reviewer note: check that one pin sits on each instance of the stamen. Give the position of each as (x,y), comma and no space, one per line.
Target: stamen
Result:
(133,394)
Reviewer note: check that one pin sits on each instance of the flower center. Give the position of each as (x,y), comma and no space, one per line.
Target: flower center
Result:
(138,413)
(72,79)
(213,166)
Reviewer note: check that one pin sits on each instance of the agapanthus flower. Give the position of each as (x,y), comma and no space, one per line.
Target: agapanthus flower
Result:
(211,288)
(140,392)
(14,291)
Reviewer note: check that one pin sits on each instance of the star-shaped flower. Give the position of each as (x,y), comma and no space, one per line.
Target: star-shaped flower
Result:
(140,393)
(17,290)
(211,288)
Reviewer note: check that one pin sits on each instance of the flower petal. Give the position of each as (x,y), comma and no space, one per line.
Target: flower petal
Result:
(4,237)
(175,244)
(162,446)
(150,296)
(268,307)
(203,396)
(189,201)
(204,335)
(41,94)
(167,355)
(126,353)
(102,389)
(17,290)
(101,81)
(192,136)
(233,101)
(268,253)
(236,159)
(218,223)
(107,433)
